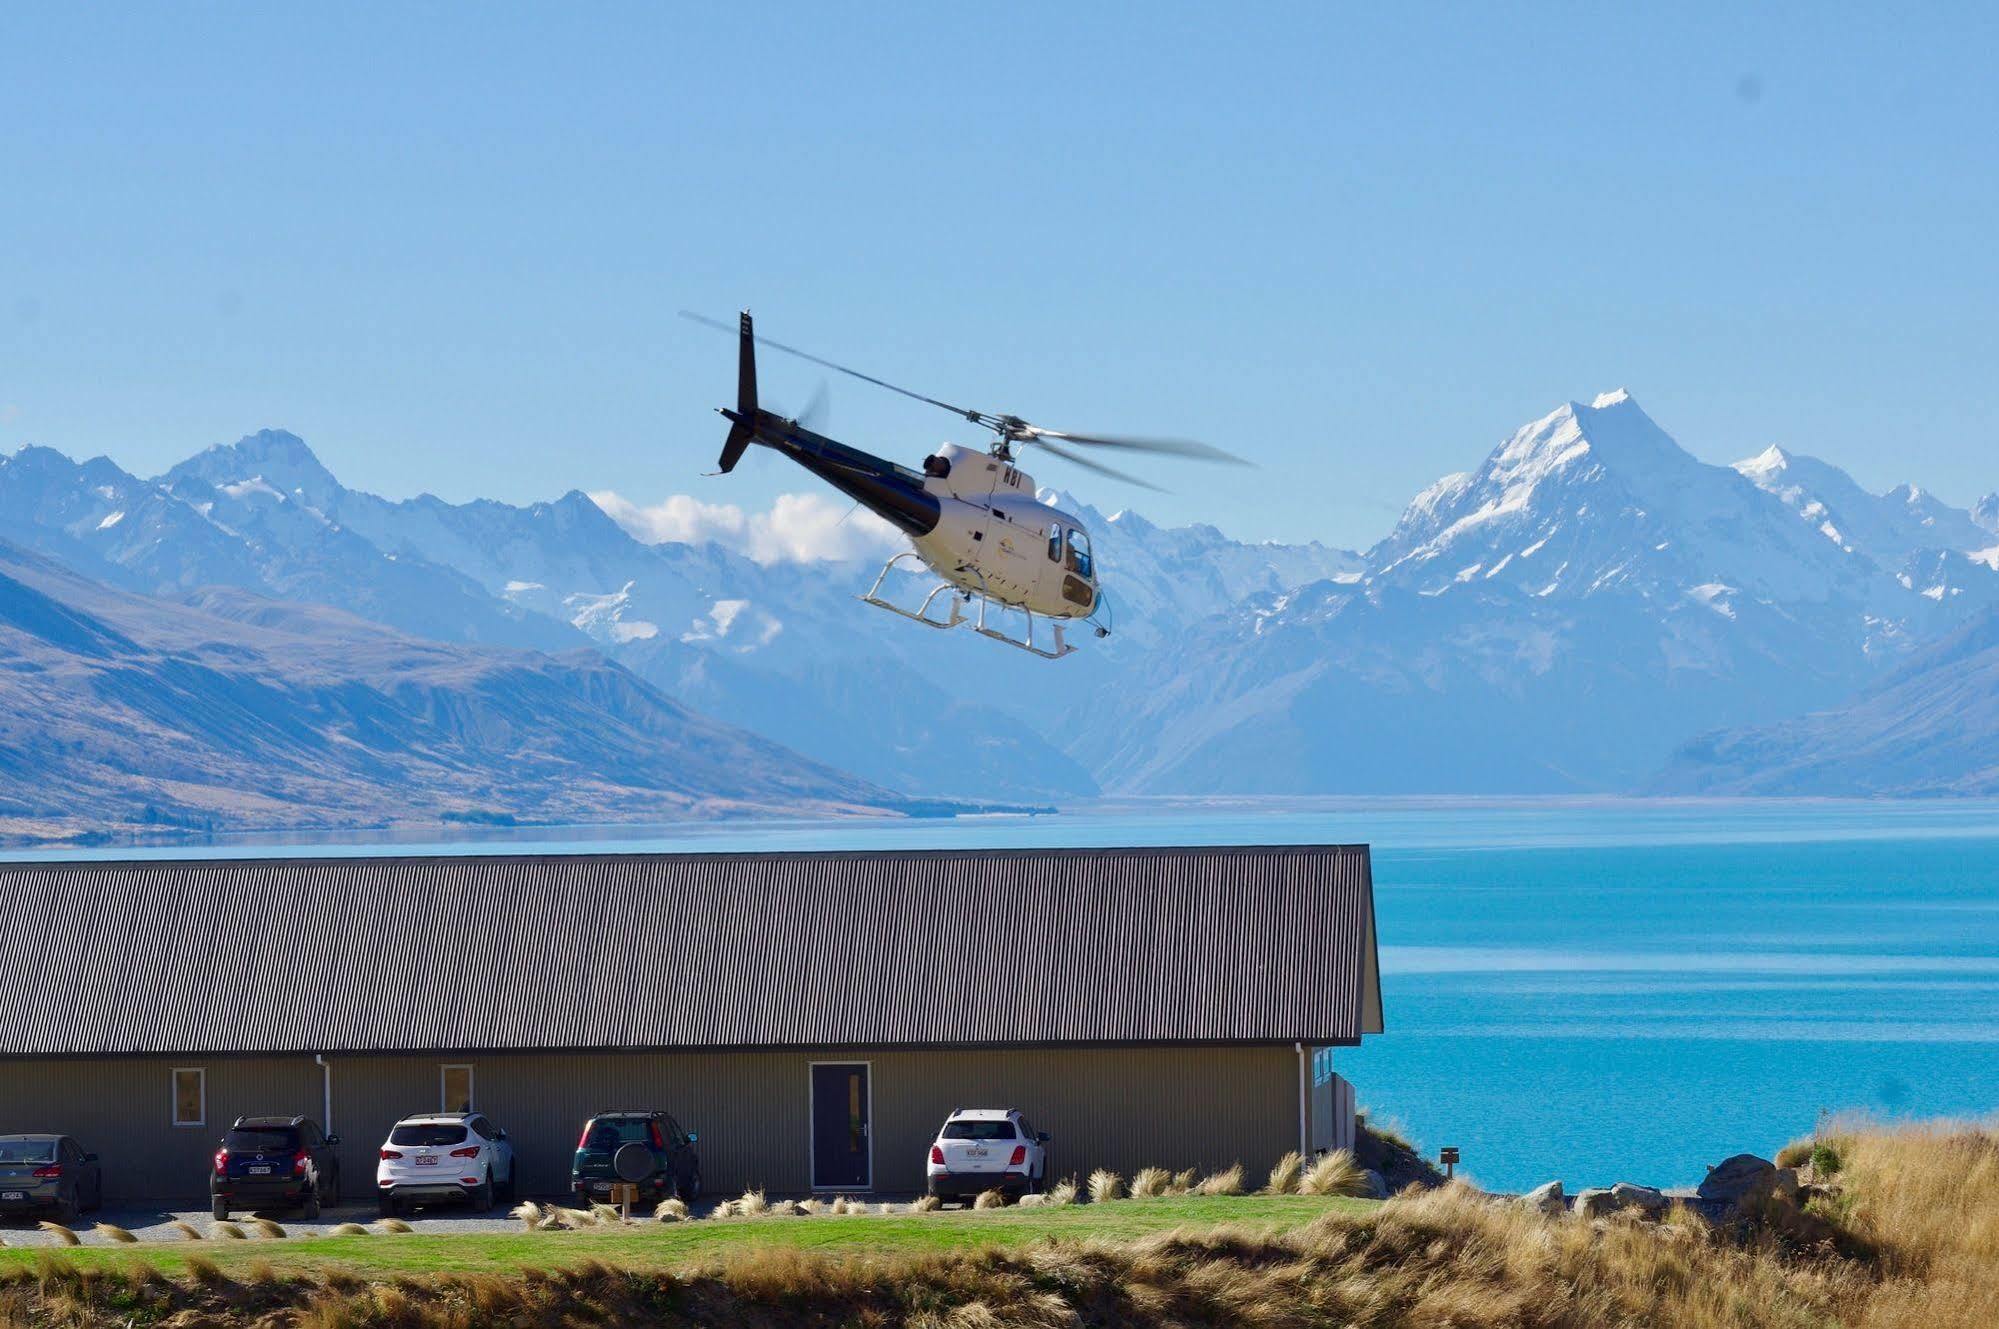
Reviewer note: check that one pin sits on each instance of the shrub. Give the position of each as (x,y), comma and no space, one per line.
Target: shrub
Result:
(1333,1173)
(224,1228)
(751,1204)
(266,1228)
(349,1230)
(187,1230)
(1226,1182)
(387,1225)
(112,1232)
(1105,1185)
(673,1209)
(1183,1182)
(204,1271)
(606,1213)
(59,1232)
(1795,1154)
(530,1214)
(1284,1175)
(841,1205)
(990,1200)
(1826,1160)
(924,1204)
(1062,1192)
(1150,1183)
(573,1218)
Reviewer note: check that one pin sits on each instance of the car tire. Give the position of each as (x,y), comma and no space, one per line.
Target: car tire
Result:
(310,1209)
(67,1209)
(389,1206)
(693,1186)
(482,1195)
(219,1210)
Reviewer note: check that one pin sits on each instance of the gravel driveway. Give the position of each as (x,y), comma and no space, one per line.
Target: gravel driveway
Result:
(150,1222)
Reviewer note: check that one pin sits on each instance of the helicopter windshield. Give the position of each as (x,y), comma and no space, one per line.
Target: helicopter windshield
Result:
(1079,554)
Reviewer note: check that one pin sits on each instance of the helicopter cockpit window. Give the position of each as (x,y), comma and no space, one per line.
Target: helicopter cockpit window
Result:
(1054,544)
(1079,553)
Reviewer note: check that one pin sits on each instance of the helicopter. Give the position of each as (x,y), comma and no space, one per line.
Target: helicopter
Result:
(971,515)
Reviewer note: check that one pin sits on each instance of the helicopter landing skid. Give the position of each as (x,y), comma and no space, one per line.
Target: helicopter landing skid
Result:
(954,597)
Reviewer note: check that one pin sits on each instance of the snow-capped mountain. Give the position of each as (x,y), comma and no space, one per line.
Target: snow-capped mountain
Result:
(1985,514)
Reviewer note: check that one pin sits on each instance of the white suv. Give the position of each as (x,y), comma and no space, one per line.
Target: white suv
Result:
(444,1156)
(985,1149)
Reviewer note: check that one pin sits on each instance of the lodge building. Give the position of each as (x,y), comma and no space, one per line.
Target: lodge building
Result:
(813,1017)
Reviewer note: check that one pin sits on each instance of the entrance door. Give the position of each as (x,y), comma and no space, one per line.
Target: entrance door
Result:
(842,1150)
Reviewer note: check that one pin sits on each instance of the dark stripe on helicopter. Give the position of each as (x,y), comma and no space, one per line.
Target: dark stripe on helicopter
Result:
(893,492)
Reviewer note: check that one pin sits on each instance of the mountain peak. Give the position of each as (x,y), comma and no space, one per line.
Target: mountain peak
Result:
(1771,461)
(278,457)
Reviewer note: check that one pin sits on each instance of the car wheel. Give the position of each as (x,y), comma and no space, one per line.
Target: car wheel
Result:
(310,1209)
(67,1209)
(219,1209)
(390,1208)
(482,1195)
(693,1187)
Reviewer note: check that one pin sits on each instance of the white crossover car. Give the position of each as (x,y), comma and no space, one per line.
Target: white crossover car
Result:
(986,1149)
(444,1156)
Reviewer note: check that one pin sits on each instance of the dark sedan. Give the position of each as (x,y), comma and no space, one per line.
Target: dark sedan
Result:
(48,1174)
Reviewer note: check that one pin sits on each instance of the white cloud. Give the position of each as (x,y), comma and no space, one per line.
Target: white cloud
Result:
(797,528)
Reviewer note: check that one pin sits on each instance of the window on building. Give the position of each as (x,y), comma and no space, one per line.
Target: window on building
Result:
(190,1097)
(454,1087)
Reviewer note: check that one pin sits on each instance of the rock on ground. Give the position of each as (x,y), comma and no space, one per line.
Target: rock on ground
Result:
(1547,1198)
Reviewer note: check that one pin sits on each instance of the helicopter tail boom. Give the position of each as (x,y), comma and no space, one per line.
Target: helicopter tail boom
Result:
(741,430)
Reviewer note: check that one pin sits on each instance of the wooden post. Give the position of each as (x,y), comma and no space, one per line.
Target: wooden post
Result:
(1449,1158)
(624,1194)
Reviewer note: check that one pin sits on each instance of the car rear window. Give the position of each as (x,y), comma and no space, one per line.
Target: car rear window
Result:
(27,1151)
(978,1130)
(251,1139)
(427,1133)
(609,1134)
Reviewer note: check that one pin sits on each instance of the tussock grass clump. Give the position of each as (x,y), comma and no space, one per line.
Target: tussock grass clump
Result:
(990,1200)
(204,1271)
(393,1225)
(1795,1154)
(528,1214)
(1105,1185)
(348,1230)
(266,1228)
(569,1218)
(112,1232)
(842,1205)
(925,1204)
(605,1214)
(59,1232)
(223,1228)
(1333,1173)
(1182,1183)
(1284,1175)
(1150,1183)
(187,1230)
(1226,1182)
(1062,1192)
(672,1209)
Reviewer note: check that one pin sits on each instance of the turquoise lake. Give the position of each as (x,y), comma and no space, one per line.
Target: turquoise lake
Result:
(1592,991)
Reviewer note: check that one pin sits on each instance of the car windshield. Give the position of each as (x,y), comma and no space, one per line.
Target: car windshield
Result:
(618,1130)
(27,1151)
(978,1130)
(260,1139)
(427,1132)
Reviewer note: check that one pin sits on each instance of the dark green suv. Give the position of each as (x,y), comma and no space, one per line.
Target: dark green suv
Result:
(676,1168)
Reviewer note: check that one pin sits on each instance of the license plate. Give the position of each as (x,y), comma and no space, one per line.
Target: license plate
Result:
(977,1153)
(600,1186)
(13,1195)
(426,1162)
(260,1172)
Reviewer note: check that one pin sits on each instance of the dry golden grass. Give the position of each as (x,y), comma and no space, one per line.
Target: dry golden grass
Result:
(1333,1173)
(225,1229)
(925,1204)
(187,1230)
(59,1232)
(112,1232)
(266,1228)
(673,1209)
(1105,1185)
(1062,1192)
(990,1200)
(393,1225)
(1226,1182)
(1284,1175)
(1148,1183)
(1182,1183)
(348,1230)
(1909,1239)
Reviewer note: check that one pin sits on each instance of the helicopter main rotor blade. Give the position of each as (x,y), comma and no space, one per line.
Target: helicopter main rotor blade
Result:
(1041,441)
(976,417)
(1170,447)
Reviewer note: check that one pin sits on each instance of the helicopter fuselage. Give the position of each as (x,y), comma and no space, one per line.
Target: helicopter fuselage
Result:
(972,517)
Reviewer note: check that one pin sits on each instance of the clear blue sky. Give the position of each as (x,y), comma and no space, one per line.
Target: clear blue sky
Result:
(1358,244)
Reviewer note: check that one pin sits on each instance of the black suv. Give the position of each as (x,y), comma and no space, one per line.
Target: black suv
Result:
(275,1163)
(676,1169)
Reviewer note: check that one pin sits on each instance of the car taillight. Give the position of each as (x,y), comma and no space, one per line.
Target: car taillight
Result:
(658,1140)
(1019,1156)
(299,1160)
(937,1154)
(52,1170)
(392,1153)
(469,1151)
(583,1140)
(221,1161)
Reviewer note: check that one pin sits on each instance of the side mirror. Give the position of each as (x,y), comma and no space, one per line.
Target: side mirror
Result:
(1041,1137)
(692,1136)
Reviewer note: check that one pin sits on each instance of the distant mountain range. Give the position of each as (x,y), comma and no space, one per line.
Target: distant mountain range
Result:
(120,711)
(1568,616)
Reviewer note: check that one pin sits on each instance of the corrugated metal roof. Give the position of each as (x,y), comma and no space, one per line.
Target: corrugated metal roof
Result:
(877,949)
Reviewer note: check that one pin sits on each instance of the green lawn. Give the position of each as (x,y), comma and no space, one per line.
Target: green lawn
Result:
(677,1245)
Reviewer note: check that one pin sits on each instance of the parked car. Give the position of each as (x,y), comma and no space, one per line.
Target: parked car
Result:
(676,1167)
(444,1156)
(986,1149)
(48,1174)
(274,1163)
